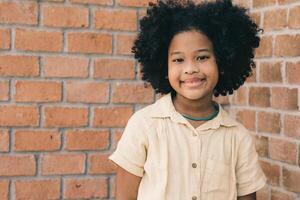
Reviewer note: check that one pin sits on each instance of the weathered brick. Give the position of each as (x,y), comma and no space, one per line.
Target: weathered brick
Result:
(98,2)
(286,1)
(124,44)
(252,78)
(4,189)
(55,164)
(100,164)
(17,165)
(223,100)
(292,72)
(4,141)
(259,96)
(247,118)
(262,146)
(18,12)
(240,96)
(117,134)
(263,193)
(291,179)
(134,3)
(275,19)
(4,90)
(87,92)
(272,172)
(265,47)
(255,16)
(260,3)
(288,101)
(5,39)
(36,140)
(278,195)
(283,150)
(287,45)
(269,122)
(292,126)
(294,17)
(86,140)
(270,72)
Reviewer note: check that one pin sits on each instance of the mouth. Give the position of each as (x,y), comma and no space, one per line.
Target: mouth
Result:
(193,82)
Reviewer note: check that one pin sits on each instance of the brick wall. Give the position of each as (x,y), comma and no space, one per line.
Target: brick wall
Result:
(68,84)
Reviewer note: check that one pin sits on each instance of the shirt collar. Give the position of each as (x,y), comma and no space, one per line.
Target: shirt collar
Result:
(164,108)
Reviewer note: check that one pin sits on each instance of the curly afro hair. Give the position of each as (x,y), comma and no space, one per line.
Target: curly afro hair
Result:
(232,32)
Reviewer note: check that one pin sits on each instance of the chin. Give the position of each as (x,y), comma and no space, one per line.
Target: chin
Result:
(193,95)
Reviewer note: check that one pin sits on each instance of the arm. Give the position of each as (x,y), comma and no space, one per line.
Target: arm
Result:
(251,196)
(127,185)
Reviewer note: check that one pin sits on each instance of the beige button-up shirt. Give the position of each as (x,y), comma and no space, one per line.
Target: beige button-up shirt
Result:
(215,161)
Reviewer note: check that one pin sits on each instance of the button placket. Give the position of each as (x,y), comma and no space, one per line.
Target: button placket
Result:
(195,173)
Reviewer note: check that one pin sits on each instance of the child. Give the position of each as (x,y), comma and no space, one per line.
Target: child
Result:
(185,146)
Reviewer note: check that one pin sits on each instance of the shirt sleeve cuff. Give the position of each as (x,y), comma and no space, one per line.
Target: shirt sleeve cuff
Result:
(257,185)
(122,162)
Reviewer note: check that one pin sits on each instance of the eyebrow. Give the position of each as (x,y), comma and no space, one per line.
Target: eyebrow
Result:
(199,50)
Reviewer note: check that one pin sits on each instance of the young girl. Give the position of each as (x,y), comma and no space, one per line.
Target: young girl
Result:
(185,146)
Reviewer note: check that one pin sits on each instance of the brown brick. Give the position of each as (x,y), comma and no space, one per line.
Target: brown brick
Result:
(100,164)
(292,72)
(87,92)
(62,16)
(247,118)
(33,40)
(294,17)
(284,98)
(90,43)
(270,72)
(262,146)
(4,141)
(85,188)
(55,164)
(286,1)
(36,140)
(98,2)
(124,44)
(115,19)
(223,100)
(291,179)
(256,17)
(117,134)
(134,3)
(259,96)
(278,195)
(37,189)
(12,115)
(38,91)
(65,67)
(86,140)
(265,47)
(292,126)
(272,172)
(14,65)
(132,93)
(65,117)
(4,90)
(112,116)
(252,78)
(283,150)
(275,19)
(240,96)
(4,189)
(263,193)
(287,45)
(269,122)
(5,38)
(17,165)
(114,69)
(18,12)
(260,3)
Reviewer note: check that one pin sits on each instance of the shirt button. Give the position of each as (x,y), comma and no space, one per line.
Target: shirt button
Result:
(194,165)
(194,198)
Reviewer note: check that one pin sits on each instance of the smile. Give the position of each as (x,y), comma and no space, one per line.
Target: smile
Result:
(193,82)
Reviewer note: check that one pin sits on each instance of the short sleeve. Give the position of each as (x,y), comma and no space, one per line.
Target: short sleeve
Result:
(250,177)
(131,150)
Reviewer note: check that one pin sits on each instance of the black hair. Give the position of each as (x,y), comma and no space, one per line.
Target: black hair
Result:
(233,33)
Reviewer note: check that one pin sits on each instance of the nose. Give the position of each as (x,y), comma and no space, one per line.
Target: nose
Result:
(191,68)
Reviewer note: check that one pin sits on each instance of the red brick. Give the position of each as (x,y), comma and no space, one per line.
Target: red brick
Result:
(117,134)
(260,3)
(275,19)
(65,117)
(65,67)
(18,12)
(286,1)
(294,17)
(263,193)
(85,188)
(132,93)
(262,146)
(240,96)
(255,16)
(14,65)
(287,45)
(98,2)
(4,189)
(4,90)
(114,69)
(99,164)
(292,72)
(33,40)
(5,38)
(17,165)
(124,44)
(252,78)
(223,100)
(259,96)
(115,19)
(90,43)
(247,118)
(135,3)
(86,140)
(55,164)
(272,172)
(112,116)
(291,179)
(12,115)
(283,150)
(62,16)
(278,195)
(292,126)
(38,91)
(36,140)
(265,47)
(4,141)
(37,189)
(270,72)
(269,122)
(284,98)
(87,92)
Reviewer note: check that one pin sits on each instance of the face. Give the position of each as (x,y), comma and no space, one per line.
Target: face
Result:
(192,68)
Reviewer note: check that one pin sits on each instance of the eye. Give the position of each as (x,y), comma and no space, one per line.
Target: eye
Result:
(177,60)
(201,58)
